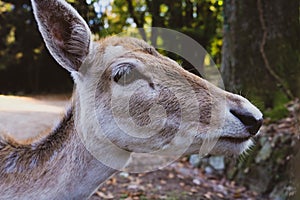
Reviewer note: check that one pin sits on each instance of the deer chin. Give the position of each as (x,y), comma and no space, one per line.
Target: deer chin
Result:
(222,145)
(234,140)
(232,146)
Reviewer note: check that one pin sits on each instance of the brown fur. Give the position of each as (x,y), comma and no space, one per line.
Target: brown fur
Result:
(18,157)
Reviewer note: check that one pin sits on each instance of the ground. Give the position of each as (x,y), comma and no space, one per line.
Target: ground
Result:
(177,181)
(22,117)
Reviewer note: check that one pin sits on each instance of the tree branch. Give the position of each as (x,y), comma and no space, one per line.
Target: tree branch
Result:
(264,56)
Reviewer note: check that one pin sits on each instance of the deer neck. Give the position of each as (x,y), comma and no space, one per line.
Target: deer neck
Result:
(56,167)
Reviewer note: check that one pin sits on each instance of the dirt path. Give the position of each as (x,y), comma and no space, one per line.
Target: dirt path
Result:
(23,117)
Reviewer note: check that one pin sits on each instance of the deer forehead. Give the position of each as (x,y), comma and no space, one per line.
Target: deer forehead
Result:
(113,48)
(113,52)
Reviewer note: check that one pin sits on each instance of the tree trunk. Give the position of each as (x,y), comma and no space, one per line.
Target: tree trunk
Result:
(139,22)
(154,9)
(261,48)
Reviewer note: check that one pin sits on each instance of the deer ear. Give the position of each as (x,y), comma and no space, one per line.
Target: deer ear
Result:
(65,33)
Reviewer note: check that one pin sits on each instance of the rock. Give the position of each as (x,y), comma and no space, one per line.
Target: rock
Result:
(259,178)
(263,140)
(124,174)
(195,160)
(197,181)
(208,170)
(217,162)
(282,192)
(264,153)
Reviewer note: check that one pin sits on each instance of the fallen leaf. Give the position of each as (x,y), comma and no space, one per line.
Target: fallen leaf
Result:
(105,196)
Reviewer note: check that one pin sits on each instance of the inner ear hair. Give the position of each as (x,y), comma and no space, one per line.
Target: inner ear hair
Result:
(65,33)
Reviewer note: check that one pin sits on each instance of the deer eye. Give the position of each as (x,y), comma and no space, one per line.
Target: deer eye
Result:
(126,73)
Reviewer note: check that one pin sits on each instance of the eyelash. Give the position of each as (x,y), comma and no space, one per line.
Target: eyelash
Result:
(126,73)
(123,69)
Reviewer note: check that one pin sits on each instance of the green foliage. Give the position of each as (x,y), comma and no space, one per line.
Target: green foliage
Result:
(200,19)
(279,110)
(274,112)
(123,196)
(26,65)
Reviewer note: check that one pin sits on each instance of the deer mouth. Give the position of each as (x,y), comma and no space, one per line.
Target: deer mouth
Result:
(235,140)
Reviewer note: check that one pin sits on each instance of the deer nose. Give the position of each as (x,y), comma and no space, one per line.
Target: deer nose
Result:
(251,123)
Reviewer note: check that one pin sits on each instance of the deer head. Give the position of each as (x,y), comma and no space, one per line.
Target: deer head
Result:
(133,99)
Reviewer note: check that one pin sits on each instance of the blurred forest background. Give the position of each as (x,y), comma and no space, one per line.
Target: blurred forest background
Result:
(255,44)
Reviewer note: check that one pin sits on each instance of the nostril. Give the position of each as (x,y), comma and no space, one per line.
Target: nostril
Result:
(252,124)
(246,118)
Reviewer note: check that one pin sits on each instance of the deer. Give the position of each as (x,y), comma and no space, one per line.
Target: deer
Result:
(170,110)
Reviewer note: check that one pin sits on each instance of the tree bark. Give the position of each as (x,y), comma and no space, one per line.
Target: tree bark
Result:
(261,48)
